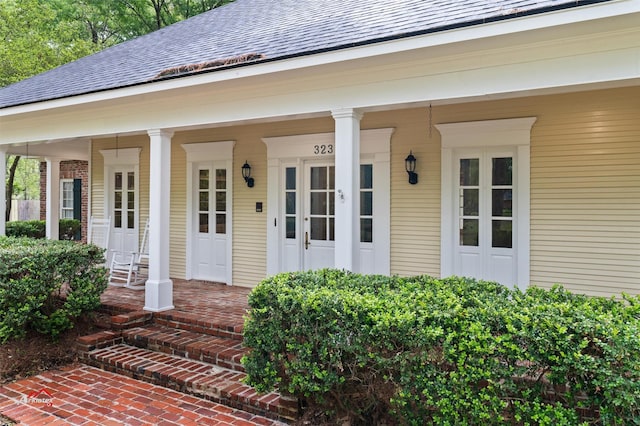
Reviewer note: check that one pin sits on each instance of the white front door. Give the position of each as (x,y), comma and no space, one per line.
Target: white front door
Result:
(212,221)
(124,202)
(485,213)
(319,216)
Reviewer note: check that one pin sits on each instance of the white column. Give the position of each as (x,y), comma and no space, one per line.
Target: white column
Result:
(53,199)
(3,190)
(159,287)
(347,211)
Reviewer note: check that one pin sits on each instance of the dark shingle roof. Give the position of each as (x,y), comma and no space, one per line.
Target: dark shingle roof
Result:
(276,29)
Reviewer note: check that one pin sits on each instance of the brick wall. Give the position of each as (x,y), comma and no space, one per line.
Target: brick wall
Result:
(73,169)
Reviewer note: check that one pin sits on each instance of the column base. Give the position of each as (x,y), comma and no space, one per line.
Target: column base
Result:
(158,295)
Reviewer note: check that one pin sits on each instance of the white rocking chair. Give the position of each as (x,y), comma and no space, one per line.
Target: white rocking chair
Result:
(98,234)
(133,272)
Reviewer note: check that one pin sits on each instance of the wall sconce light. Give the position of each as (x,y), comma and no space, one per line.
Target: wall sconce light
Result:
(410,167)
(246,174)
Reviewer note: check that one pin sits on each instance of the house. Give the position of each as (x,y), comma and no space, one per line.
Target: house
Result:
(74,197)
(498,140)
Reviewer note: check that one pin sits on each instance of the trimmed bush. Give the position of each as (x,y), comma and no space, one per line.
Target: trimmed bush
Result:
(37,228)
(444,351)
(33,273)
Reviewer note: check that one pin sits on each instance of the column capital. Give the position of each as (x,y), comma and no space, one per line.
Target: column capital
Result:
(346,113)
(162,133)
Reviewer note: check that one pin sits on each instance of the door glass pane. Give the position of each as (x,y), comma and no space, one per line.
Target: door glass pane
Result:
(366,203)
(332,230)
(221,201)
(130,221)
(131,184)
(291,227)
(204,179)
(131,197)
(318,178)
(221,223)
(118,181)
(118,200)
(470,202)
(366,176)
(290,202)
(204,201)
(319,203)
(204,223)
(501,203)
(501,233)
(332,177)
(502,171)
(469,232)
(117,219)
(366,230)
(291,178)
(221,179)
(469,172)
(332,203)
(318,228)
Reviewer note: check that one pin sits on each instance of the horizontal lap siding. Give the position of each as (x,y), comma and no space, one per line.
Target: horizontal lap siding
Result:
(585,191)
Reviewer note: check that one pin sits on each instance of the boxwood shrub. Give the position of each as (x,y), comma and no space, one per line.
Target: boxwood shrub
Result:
(34,274)
(444,351)
(68,228)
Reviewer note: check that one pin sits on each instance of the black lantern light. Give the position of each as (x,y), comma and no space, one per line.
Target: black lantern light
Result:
(410,167)
(246,174)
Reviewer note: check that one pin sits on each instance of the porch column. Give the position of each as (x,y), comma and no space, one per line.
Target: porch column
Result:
(347,185)
(53,199)
(3,190)
(159,287)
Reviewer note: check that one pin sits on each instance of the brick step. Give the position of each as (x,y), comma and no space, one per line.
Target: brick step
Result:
(221,351)
(193,377)
(221,325)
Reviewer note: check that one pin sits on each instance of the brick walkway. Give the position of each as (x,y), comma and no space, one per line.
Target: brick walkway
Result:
(84,395)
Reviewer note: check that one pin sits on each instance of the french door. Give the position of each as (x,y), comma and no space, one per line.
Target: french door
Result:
(319,216)
(124,214)
(211,236)
(484,245)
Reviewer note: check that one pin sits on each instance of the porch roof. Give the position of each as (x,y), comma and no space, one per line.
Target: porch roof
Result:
(247,32)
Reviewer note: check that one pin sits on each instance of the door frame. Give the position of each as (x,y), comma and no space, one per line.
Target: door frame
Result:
(375,148)
(202,153)
(514,133)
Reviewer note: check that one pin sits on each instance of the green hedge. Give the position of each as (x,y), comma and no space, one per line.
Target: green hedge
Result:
(444,351)
(37,228)
(32,275)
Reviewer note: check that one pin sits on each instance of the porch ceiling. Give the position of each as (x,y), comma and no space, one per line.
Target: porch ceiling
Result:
(69,149)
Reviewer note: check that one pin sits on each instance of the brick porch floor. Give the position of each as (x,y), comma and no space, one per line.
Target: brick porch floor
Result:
(84,395)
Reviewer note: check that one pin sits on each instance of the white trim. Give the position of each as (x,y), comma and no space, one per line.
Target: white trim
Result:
(375,146)
(208,152)
(62,208)
(114,158)
(515,133)
(121,157)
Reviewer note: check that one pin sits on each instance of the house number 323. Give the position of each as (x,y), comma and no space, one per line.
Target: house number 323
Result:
(322,149)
